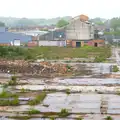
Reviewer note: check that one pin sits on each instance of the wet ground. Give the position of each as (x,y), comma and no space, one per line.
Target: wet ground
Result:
(87,95)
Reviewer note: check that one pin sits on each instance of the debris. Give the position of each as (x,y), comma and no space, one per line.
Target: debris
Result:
(43,68)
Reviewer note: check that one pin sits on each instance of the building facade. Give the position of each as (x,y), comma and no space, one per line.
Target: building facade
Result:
(79,30)
(9,38)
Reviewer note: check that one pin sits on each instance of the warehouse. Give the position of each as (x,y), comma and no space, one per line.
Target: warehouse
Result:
(9,38)
(53,38)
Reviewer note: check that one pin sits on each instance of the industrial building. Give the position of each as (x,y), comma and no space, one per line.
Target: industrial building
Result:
(9,38)
(53,38)
(79,31)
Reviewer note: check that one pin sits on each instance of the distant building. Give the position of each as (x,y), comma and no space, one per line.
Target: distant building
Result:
(9,38)
(77,33)
(79,29)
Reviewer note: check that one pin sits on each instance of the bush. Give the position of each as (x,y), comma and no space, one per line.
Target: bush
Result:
(67,91)
(6,94)
(99,59)
(33,111)
(108,118)
(63,113)
(13,80)
(115,68)
(38,99)
(52,118)
(22,90)
(8,99)
(9,102)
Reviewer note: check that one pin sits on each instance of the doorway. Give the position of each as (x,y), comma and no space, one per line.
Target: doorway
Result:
(78,44)
(96,44)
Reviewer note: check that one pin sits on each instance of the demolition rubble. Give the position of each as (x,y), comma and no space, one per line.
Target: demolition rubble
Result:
(41,68)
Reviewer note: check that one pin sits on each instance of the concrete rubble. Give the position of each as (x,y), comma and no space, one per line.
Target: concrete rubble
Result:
(21,66)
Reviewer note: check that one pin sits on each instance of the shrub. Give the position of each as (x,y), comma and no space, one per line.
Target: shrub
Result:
(14,102)
(33,111)
(22,90)
(68,67)
(38,99)
(99,59)
(67,91)
(6,94)
(115,68)
(63,113)
(9,102)
(13,80)
(108,118)
(52,118)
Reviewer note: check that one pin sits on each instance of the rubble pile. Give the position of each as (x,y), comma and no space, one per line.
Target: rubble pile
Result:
(24,67)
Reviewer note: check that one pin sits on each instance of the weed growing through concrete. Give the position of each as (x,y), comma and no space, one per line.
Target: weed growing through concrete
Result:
(115,68)
(38,99)
(63,113)
(67,91)
(33,111)
(22,90)
(13,81)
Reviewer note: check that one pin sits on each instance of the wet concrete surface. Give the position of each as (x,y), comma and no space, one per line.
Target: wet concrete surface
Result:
(75,103)
(87,81)
(88,102)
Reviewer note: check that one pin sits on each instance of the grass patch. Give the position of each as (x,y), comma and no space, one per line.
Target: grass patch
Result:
(64,113)
(38,99)
(33,111)
(115,68)
(6,94)
(8,99)
(53,52)
(13,102)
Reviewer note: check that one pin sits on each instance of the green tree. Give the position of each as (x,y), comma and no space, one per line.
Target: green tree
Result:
(2,24)
(115,23)
(62,23)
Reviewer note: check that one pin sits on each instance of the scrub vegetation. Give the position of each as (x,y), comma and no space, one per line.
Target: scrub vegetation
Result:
(33,111)
(38,99)
(8,99)
(54,52)
(13,81)
(64,113)
(108,118)
(115,68)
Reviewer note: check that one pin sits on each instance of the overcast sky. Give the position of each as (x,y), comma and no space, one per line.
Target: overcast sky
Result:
(56,8)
